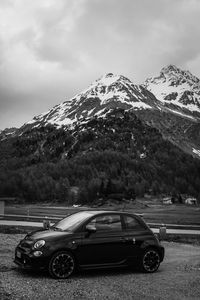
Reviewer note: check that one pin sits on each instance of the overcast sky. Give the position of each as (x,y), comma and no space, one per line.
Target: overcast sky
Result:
(52,49)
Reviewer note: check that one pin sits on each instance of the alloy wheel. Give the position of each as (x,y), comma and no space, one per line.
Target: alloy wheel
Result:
(61,265)
(151,261)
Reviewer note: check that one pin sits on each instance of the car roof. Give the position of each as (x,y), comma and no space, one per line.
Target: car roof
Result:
(97,212)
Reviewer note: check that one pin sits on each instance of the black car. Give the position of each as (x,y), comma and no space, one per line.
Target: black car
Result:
(91,239)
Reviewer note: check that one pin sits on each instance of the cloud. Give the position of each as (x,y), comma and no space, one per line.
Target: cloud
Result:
(52,49)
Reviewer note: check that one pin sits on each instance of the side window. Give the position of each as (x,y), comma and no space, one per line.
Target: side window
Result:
(107,223)
(132,223)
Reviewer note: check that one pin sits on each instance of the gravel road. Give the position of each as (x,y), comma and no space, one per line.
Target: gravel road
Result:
(177,278)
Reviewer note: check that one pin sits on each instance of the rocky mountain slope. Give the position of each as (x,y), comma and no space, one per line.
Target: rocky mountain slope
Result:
(178,90)
(114,136)
(174,91)
(169,102)
(179,121)
(7,132)
(106,93)
(114,156)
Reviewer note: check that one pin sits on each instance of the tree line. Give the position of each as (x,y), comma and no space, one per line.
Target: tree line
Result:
(116,157)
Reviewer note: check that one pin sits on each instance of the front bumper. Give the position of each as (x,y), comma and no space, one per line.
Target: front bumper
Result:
(26,260)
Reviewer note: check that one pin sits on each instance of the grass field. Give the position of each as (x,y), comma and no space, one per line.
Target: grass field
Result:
(173,214)
(155,212)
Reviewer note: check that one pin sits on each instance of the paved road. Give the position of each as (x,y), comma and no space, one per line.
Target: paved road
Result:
(40,224)
(56,213)
(41,211)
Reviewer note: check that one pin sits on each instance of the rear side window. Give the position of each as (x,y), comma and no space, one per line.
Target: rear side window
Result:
(107,223)
(132,223)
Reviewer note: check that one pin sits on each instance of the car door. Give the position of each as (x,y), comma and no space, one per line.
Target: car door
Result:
(135,233)
(105,246)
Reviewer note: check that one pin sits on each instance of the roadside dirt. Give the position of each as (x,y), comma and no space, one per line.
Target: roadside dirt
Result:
(177,278)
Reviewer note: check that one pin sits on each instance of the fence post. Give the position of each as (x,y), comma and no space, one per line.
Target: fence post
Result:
(46,223)
(163,232)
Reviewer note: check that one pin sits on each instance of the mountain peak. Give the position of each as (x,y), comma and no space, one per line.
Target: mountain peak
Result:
(170,68)
(176,76)
(177,89)
(107,79)
(110,78)
(179,92)
(109,75)
(174,72)
(106,93)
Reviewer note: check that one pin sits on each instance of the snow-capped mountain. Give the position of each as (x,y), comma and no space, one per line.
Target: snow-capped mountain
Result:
(114,131)
(174,91)
(169,102)
(108,92)
(178,90)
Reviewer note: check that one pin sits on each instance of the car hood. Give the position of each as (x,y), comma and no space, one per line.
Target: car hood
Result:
(46,234)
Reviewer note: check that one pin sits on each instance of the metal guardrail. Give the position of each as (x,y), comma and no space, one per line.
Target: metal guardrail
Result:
(59,217)
(163,231)
(175,226)
(54,217)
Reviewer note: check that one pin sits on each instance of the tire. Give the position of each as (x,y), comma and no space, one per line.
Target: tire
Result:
(150,260)
(61,265)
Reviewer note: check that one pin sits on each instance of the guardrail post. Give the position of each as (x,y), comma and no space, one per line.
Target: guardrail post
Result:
(46,223)
(1,207)
(163,232)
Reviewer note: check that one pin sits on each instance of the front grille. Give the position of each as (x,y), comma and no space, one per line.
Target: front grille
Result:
(26,244)
(24,259)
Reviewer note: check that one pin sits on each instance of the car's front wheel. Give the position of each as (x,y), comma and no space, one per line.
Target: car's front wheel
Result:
(61,265)
(150,261)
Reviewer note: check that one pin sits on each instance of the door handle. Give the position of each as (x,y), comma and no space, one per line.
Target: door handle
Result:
(122,239)
(126,239)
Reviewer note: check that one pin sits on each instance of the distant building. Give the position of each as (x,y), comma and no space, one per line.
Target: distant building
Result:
(191,201)
(167,200)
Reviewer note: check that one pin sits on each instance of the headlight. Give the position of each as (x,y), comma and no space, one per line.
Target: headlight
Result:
(37,253)
(39,244)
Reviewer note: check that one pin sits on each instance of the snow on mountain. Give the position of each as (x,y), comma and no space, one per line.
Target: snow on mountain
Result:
(7,132)
(169,102)
(176,89)
(108,92)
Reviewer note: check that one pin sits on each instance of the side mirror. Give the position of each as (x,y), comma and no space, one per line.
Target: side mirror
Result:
(91,229)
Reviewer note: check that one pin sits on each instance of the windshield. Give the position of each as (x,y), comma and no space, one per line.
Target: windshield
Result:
(71,222)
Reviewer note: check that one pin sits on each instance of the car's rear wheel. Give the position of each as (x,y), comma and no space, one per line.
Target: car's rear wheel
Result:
(61,265)
(150,261)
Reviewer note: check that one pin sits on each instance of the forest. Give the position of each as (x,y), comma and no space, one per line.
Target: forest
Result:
(114,157)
